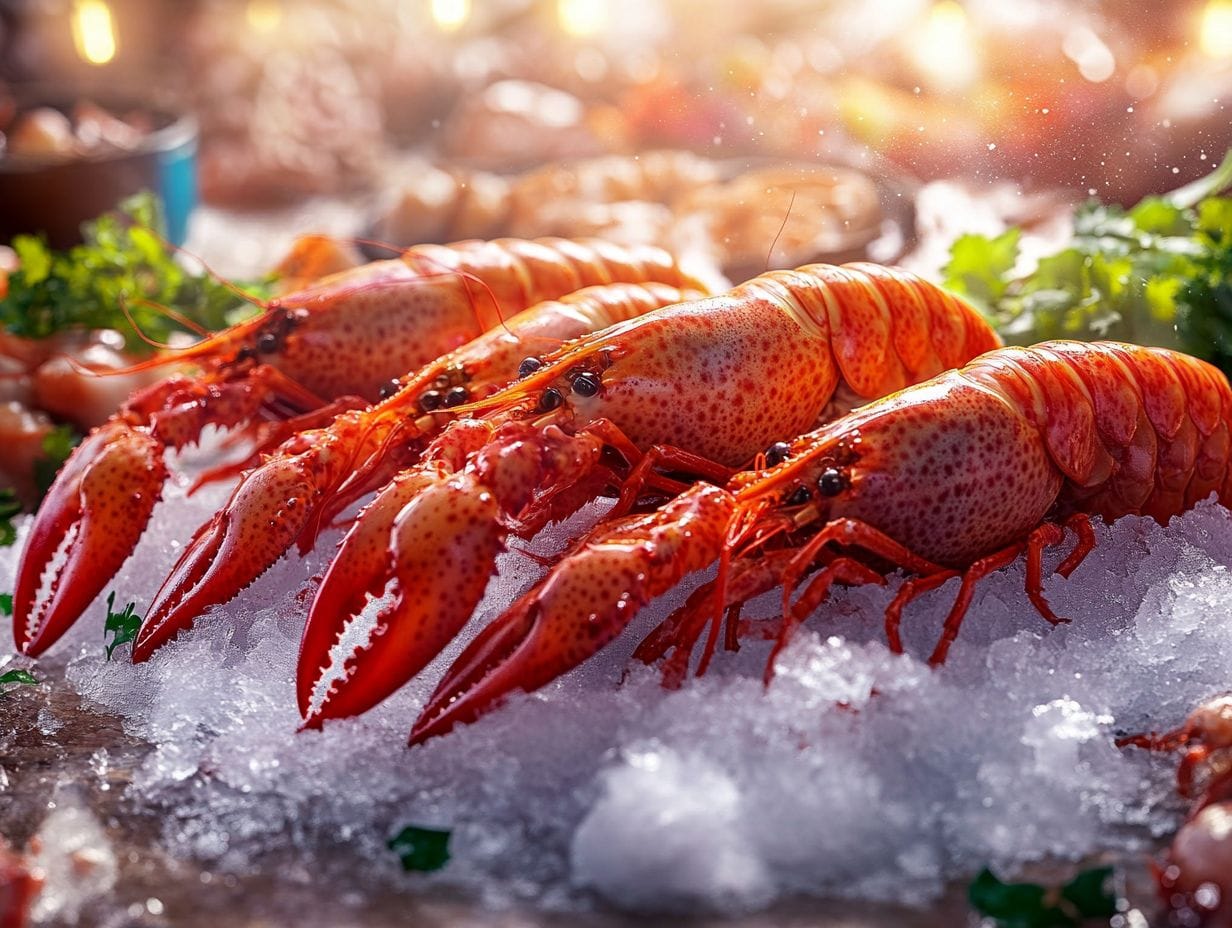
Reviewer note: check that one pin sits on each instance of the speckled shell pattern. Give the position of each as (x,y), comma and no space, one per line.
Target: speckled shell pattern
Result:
(366,326)
(726,375)
(974,459)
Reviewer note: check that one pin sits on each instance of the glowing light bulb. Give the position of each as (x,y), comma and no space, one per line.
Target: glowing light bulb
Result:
(450,15)
(93,31)
(263,15)
(1215,32)
(583,18)
(943,49)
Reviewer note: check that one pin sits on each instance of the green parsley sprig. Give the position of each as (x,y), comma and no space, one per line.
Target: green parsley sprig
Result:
(122,264)
(1089,895)
(17,678)
(9,507)
(122,626)
(1156,274)
(421,849)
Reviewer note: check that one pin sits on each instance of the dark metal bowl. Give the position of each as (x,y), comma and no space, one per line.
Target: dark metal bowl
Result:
(54,196)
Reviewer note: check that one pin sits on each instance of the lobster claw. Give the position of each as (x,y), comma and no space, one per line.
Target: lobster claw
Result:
(85,529)
(260,521)
(584,602)
(422,525)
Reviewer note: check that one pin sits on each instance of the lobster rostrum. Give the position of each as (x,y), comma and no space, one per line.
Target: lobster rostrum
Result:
(334,345)
(692,389)
(955,477)
(318,473)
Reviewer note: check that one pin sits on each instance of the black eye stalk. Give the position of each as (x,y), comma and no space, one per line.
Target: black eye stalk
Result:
(832,482)
(529,366)
(550,400)
(777,453)
(586,383)
(799,496)
(390,389)
(274,335)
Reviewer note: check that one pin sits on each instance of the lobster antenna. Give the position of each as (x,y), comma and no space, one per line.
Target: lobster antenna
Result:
(230,285)
(124,303)
(468,279)
(782,226)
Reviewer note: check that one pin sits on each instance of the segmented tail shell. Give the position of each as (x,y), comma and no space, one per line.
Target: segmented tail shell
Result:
(1133,430)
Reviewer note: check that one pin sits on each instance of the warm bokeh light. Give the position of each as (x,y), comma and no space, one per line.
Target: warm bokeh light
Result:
(451,15)
(93,31)
(582,17)
(1215,35)
(943,49)
(1090,53)
(263,15)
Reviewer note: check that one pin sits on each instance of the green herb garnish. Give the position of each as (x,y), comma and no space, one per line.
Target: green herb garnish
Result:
(123,626)
(421,849)
(1028,905)
(121,266)
(9,507)
(6,603)
(1156,274)
(17,678)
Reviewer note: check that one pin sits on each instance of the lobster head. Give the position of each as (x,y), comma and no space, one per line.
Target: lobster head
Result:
(948,469)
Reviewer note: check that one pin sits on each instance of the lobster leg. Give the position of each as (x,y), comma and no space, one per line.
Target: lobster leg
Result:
(1048,533)
(971,576)
(416,616)
(541,636)
(843,570)
(101,501)
(911,590)
(271,435)
(260,520)
(90,522)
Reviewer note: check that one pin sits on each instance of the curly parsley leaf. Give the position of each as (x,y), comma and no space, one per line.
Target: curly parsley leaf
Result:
(122,266)
(6,603)
(9,507)
(421,849)
(1089,895)
(1155,274)
(17,678)
(122,626)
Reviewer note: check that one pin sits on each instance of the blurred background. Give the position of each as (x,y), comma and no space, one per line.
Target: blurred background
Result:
(388,106)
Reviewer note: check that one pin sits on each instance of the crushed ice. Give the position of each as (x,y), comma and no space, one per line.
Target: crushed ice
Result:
(857,773)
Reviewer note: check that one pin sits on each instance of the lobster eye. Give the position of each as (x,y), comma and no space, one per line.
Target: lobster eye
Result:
(799,496)
(430,400)
(529,366)
(456,397)
(550,400)
(832,482)
(777,453)
(586,384)
(390,389)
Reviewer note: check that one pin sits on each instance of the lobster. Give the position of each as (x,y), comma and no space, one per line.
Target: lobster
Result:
(336,345)
(955,477)
(692,389)
(1195,876)
(318,473)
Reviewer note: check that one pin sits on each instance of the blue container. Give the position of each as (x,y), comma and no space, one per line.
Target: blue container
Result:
(54,197)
